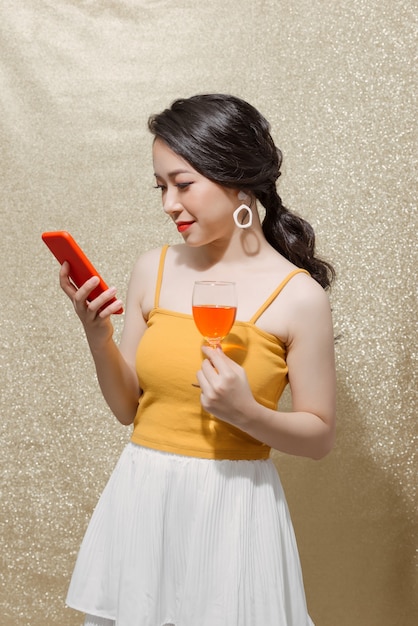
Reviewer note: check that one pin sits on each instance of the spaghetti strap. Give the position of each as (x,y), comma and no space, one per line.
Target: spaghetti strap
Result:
(160,276)
(276,293)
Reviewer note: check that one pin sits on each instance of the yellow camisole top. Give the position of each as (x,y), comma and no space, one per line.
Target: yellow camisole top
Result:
(170,417)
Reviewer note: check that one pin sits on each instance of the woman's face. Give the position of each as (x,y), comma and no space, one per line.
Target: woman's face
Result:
(201,209)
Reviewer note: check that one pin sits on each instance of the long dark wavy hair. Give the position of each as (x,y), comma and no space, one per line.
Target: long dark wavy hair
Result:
(228,141)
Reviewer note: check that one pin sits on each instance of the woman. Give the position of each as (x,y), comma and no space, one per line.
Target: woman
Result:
(193,527)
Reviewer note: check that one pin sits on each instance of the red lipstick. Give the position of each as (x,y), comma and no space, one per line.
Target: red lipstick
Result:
(182,226)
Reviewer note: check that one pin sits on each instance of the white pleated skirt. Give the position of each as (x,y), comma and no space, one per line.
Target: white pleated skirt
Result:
(190,542)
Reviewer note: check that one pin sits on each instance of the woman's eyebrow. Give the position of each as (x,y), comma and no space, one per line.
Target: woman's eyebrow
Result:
(174,173)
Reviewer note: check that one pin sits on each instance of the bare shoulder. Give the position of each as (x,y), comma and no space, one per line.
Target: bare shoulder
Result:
(144,277)
(308,308)
(145,265)
(150,260)
(303,290)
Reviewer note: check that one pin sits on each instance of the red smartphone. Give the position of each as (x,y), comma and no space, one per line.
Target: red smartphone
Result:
(65,248)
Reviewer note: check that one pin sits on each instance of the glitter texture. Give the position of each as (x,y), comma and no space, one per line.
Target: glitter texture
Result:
(78,79)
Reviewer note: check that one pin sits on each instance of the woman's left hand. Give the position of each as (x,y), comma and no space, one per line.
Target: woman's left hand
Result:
(225,389)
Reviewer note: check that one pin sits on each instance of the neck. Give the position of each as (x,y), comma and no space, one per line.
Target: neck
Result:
(244,244)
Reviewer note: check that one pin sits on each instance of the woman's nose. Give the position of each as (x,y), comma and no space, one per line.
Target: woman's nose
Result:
(170,202)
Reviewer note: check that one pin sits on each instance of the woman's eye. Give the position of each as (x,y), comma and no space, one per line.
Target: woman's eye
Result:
(178,185)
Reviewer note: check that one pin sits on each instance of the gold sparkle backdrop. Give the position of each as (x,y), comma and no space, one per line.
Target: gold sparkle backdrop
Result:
(78,79)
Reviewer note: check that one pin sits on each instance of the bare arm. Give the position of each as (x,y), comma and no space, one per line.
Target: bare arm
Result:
(115,367)
(309,429)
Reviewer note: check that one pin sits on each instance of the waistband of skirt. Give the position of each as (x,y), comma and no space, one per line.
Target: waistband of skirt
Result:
(253,453)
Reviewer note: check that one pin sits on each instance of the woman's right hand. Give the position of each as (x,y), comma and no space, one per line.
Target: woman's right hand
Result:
(94,314)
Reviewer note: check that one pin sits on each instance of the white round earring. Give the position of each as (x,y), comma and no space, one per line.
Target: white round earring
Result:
(236,213)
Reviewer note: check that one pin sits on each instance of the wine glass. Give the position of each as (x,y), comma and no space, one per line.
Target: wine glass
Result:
(214,308)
